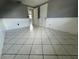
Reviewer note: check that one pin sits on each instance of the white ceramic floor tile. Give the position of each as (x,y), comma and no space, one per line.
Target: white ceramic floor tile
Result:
(14,49)
(50,57)
(47,49)
(21,57)
(71,49)
(75,41)
(61,40)
(20,41)
(7,40)
(36,57)
(60,50)
(60,57)
(75,57)
(7,56)
(54,41)
(5,48)
(45,41)
(36,49)
(12,41)
(37,41)
(25,49)
(69,40)
(67,57)
(37,37)
(29,41)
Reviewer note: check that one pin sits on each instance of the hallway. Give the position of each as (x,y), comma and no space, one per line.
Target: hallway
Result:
(41,43)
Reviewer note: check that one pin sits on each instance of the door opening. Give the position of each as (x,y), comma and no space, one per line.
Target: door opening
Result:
(30,11)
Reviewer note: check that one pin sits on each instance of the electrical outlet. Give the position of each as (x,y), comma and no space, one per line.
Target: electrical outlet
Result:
(18,24)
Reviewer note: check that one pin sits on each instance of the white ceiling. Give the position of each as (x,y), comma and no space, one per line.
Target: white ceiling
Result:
(34,2)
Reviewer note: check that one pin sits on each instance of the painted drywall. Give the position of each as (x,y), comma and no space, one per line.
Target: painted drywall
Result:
(2,35)
(63,24)
(43,14)
(12,23)
(62,8)
(43,11)
(35,16)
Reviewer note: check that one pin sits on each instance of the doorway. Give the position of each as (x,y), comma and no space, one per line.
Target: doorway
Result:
(30,13)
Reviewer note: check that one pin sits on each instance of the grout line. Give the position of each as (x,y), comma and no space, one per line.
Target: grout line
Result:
(14,36)
(42,30)
(43,54)
(9,48)
(18,51)
(18,40)
(31,47)
(42,44)
(51,44)
(61,45)
(12,46)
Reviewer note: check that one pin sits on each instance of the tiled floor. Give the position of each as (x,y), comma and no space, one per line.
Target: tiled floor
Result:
(41,43)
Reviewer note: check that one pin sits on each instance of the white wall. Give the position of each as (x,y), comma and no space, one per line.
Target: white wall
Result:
(2,35)
(63,24)
(36,16)
(12,23)
(43,11)
(43,14)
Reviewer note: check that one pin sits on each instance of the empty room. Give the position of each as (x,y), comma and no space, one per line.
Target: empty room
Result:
(38,29)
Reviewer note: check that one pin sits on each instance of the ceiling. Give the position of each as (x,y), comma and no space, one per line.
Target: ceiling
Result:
(34,2)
